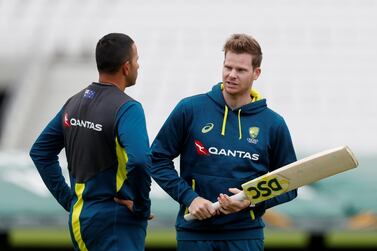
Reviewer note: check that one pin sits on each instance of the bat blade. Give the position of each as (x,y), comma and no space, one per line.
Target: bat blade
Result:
(295,175)
(300,173)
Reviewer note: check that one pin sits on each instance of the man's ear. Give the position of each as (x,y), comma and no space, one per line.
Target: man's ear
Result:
(257,72)
(126,68)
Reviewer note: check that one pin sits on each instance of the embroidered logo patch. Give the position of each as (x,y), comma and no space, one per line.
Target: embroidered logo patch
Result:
(253,132)
(89,94)
(207,128)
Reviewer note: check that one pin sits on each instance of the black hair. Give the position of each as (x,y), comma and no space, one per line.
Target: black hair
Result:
(112,51)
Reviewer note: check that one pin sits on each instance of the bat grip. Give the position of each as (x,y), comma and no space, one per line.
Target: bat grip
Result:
(216,205)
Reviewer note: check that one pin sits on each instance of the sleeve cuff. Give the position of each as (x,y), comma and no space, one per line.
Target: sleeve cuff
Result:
(189,197)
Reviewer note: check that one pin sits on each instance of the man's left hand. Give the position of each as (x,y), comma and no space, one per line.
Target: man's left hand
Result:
(228,206)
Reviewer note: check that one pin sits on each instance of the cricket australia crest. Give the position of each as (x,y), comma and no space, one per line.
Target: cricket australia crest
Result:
(253,132)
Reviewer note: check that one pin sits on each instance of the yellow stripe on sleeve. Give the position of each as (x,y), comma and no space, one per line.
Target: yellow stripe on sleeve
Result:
(193,188)
(121,175)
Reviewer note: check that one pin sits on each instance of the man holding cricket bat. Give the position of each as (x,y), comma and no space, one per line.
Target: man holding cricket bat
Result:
(224,138)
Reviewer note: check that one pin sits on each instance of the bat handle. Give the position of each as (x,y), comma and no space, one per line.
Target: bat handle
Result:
(239,196)
(216,205)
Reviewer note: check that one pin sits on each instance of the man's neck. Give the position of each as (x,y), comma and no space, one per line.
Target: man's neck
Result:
(112,80)
(235,102)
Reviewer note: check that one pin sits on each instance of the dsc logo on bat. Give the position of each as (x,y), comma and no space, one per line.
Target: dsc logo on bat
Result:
(265,188)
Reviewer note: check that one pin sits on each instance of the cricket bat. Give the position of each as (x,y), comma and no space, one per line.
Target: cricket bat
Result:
(294,175)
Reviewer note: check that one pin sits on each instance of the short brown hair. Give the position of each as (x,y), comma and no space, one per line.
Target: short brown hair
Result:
(242,43)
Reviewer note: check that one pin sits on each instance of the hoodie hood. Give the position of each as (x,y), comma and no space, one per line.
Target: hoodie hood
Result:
(257,105)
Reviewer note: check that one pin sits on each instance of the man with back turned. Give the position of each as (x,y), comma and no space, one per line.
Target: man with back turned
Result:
(104,135)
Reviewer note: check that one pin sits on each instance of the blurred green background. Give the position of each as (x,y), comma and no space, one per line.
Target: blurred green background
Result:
(336,213)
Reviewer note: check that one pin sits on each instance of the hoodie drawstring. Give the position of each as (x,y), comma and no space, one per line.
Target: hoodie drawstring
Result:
(219,99)
(239,124)
(224,122)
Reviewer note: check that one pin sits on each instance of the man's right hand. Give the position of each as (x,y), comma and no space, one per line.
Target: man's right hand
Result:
(201,208)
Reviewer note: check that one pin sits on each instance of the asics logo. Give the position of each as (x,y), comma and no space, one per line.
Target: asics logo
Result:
(208,127)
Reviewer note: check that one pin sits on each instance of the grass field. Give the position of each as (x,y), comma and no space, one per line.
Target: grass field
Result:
(166,238)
